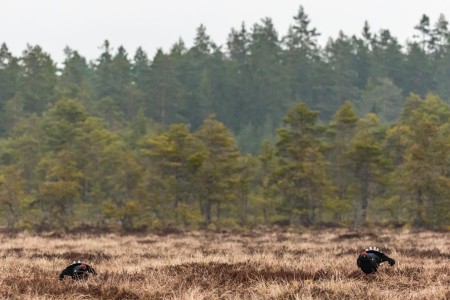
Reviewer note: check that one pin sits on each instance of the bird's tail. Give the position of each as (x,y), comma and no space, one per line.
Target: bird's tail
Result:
(390,261)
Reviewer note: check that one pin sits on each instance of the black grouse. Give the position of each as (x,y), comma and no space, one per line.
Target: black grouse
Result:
(370,259)
(77,270)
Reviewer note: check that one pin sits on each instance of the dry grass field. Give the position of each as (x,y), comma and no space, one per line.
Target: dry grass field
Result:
(256,265)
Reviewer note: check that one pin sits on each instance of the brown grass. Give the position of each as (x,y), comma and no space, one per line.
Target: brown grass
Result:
(257,265)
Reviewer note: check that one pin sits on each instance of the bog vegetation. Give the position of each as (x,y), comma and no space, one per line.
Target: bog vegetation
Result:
(203,265)
(265,130)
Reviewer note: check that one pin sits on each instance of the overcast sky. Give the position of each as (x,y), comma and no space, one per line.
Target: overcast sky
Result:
(83,25)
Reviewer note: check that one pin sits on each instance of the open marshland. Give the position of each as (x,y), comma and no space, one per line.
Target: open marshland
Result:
(318,264)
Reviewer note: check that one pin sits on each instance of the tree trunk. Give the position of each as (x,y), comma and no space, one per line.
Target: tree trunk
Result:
(418,220)
(207,213)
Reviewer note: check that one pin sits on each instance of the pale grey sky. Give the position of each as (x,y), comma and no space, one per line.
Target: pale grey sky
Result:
(83,25)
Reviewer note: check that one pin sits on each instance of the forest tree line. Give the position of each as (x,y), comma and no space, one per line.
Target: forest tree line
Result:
(265,130)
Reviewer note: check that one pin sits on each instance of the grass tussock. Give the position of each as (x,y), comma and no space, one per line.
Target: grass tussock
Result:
(256,265)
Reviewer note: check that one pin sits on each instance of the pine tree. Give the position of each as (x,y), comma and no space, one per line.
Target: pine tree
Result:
(301,54)
(240,92)
(301,174)
(120,184)
(174,158)
(367,162)
(38,80)
(164,92)
(61,124)
(11,196)
(75,80)
(420,79)
(424,169)
(423,27)
(9,72)
(387,58)
(59,190)
(218,172)
(342,130)
(269,97)
(9,75)
(344,75)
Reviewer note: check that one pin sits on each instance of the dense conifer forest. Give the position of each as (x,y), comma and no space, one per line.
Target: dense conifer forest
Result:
(266,130)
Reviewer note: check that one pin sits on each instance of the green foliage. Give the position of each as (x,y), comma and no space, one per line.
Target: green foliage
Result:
(382,98)
(59,190)
(425,181)
(75,80)
(62,123)
(9,74)
(12,196)
(37,80)
(164,90)
(108,143)
(365,155)
(218,174)
(301,173)
(342,130)
(173,159)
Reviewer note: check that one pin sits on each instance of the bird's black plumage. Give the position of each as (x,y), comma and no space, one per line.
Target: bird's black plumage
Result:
(77,270)
(370,259)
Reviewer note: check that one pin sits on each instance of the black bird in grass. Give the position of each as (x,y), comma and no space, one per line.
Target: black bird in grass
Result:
(370,259)
(77,270)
